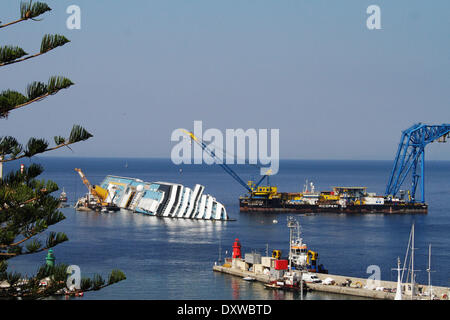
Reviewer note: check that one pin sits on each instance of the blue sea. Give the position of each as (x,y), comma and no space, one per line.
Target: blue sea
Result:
(167,258)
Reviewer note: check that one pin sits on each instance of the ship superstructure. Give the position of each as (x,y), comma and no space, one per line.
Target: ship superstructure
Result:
(163,199)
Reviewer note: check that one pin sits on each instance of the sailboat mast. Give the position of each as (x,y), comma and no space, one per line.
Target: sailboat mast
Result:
(406,258)
(398,293)
(429,272)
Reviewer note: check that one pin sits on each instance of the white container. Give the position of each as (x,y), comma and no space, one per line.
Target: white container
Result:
(258,268)
(267,261)
(253,258)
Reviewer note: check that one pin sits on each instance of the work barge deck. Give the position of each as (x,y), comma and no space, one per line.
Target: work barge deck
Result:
(441,293)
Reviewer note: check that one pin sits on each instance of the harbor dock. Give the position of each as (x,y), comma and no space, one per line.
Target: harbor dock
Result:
(356,288)
(301,267)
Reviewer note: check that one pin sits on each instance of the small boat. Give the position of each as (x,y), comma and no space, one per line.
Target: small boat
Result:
(272,286)
(63,196)
(63,200)
(248,279)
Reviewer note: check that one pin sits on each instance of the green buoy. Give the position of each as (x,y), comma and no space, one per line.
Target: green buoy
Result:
(50,259)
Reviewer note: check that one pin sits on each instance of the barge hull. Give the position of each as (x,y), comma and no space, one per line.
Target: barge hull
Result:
(278,206)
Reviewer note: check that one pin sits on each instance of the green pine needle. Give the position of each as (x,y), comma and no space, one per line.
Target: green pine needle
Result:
(58,83)
(54,218)
(116,276)
(78,134)
(35,146)
(36,89)
(50,42)
(8,100)
(59,140)
(13,278)
(8,145)
(10,53)
(3,266)
(97,282)
(32,10)
(33,246)
(54,239)
(59,273)
(86,284)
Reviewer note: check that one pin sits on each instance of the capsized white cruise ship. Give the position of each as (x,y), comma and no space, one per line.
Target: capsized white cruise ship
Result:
(163,199)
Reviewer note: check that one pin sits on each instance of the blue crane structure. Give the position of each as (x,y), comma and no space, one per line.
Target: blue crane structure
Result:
(410,158)
(227,169)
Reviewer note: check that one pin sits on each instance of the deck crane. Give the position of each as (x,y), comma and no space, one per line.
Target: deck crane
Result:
(98,192)
(410,158)
(250,187)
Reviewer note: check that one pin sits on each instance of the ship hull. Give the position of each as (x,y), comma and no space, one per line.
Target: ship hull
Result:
(277,205)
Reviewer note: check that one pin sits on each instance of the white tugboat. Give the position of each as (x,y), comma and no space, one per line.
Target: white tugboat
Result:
(63,196)
(63,199)
(300,258)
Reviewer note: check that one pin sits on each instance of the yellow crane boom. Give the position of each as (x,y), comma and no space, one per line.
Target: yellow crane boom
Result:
(98,192)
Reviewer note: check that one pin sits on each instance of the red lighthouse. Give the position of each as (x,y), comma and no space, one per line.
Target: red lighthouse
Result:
(236,249)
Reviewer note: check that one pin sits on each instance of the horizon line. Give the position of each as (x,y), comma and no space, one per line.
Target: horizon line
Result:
(168,158)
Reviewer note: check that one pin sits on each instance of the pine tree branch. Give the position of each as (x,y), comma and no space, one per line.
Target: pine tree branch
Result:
(33,233)
(21,59)
(30,102)
(11,23)
(49,42)
(13,254)
(36,91)
(29,11)
(57,286)
(77,134)
(10,53)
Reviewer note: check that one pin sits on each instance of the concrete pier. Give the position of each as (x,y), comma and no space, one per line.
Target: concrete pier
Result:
(241,273)
(357,287)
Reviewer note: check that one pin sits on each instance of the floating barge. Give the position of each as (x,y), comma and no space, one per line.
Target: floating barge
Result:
(162,199)
(339,200)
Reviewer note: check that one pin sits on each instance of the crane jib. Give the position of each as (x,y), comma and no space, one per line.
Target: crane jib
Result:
(223,165)
(410,158)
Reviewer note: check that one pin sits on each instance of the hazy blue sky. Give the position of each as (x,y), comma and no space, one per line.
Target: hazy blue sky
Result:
(312,69)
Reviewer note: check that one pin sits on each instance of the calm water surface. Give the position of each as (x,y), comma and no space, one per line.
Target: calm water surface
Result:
(173,258)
